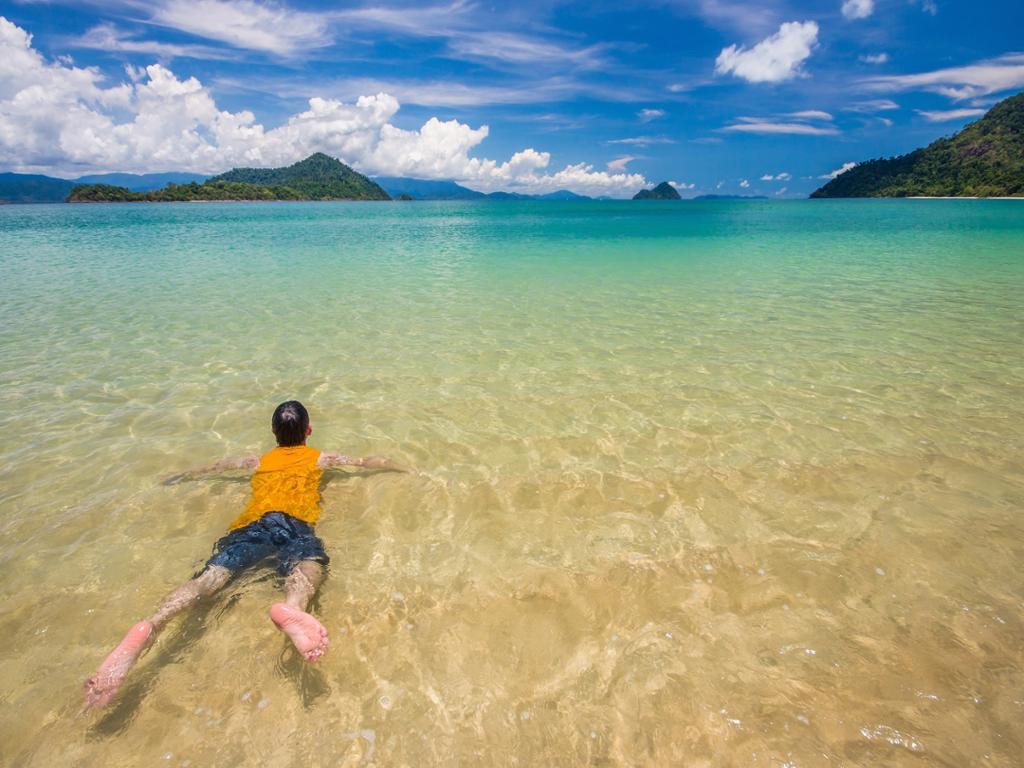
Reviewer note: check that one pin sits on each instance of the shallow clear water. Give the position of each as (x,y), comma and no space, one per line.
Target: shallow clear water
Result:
(730,483)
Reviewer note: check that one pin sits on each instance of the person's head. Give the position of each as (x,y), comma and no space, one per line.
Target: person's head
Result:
(291,424)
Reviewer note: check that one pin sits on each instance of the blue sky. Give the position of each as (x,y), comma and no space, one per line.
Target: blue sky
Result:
(600,97)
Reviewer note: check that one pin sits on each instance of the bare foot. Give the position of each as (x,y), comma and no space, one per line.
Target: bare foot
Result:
(104,685)
(307,634)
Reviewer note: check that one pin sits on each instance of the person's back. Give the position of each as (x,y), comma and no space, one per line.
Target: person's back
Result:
(287,479)
(276,524)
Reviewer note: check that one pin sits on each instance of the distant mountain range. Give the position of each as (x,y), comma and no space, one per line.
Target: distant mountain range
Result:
(985,159)
(314,172)
(426,189)
(33,188)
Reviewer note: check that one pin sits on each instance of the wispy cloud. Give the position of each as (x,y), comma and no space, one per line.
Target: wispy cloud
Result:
(872,105)
(618,165)
(272,26)
(874,58)
(749,18)
(469,38)
(646,115)
(928,6)
(784,176)
(643,141)
(949,114)
(775,58)
(436,93)
(438,20)
(772,126)
(810,114)
(521,50)
(791,128)
(259,26)
(108,37)
(958,83)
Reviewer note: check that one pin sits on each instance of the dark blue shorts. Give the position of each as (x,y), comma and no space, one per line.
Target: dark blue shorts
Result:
(276,535)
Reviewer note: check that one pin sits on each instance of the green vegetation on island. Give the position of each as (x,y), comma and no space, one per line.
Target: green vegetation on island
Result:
(985,159)
(663,191)
(318,177)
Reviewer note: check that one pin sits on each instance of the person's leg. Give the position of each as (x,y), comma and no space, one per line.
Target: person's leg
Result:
(205,584)
(302,583)
(306,633)
(104,685)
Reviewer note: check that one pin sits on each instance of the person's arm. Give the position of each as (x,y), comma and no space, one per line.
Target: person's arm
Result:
(329,460)
(242,462)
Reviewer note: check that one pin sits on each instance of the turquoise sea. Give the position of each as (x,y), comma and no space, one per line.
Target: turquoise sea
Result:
(702,483)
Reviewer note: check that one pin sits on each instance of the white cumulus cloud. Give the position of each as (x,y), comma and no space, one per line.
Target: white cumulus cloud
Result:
(784,176)
(858,9)
(775,58)
(59,118)
(744,183)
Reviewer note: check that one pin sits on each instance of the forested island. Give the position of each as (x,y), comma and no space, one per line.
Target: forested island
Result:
(318,177)
(663,191)
(985,159)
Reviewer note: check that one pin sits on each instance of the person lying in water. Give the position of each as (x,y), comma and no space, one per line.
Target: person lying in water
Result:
(277,523)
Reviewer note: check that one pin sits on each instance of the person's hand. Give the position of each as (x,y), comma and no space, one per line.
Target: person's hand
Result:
(379,462)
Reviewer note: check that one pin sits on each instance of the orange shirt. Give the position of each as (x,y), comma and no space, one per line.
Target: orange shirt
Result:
(287,480)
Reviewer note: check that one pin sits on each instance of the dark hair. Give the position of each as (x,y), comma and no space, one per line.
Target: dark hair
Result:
(291,419)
